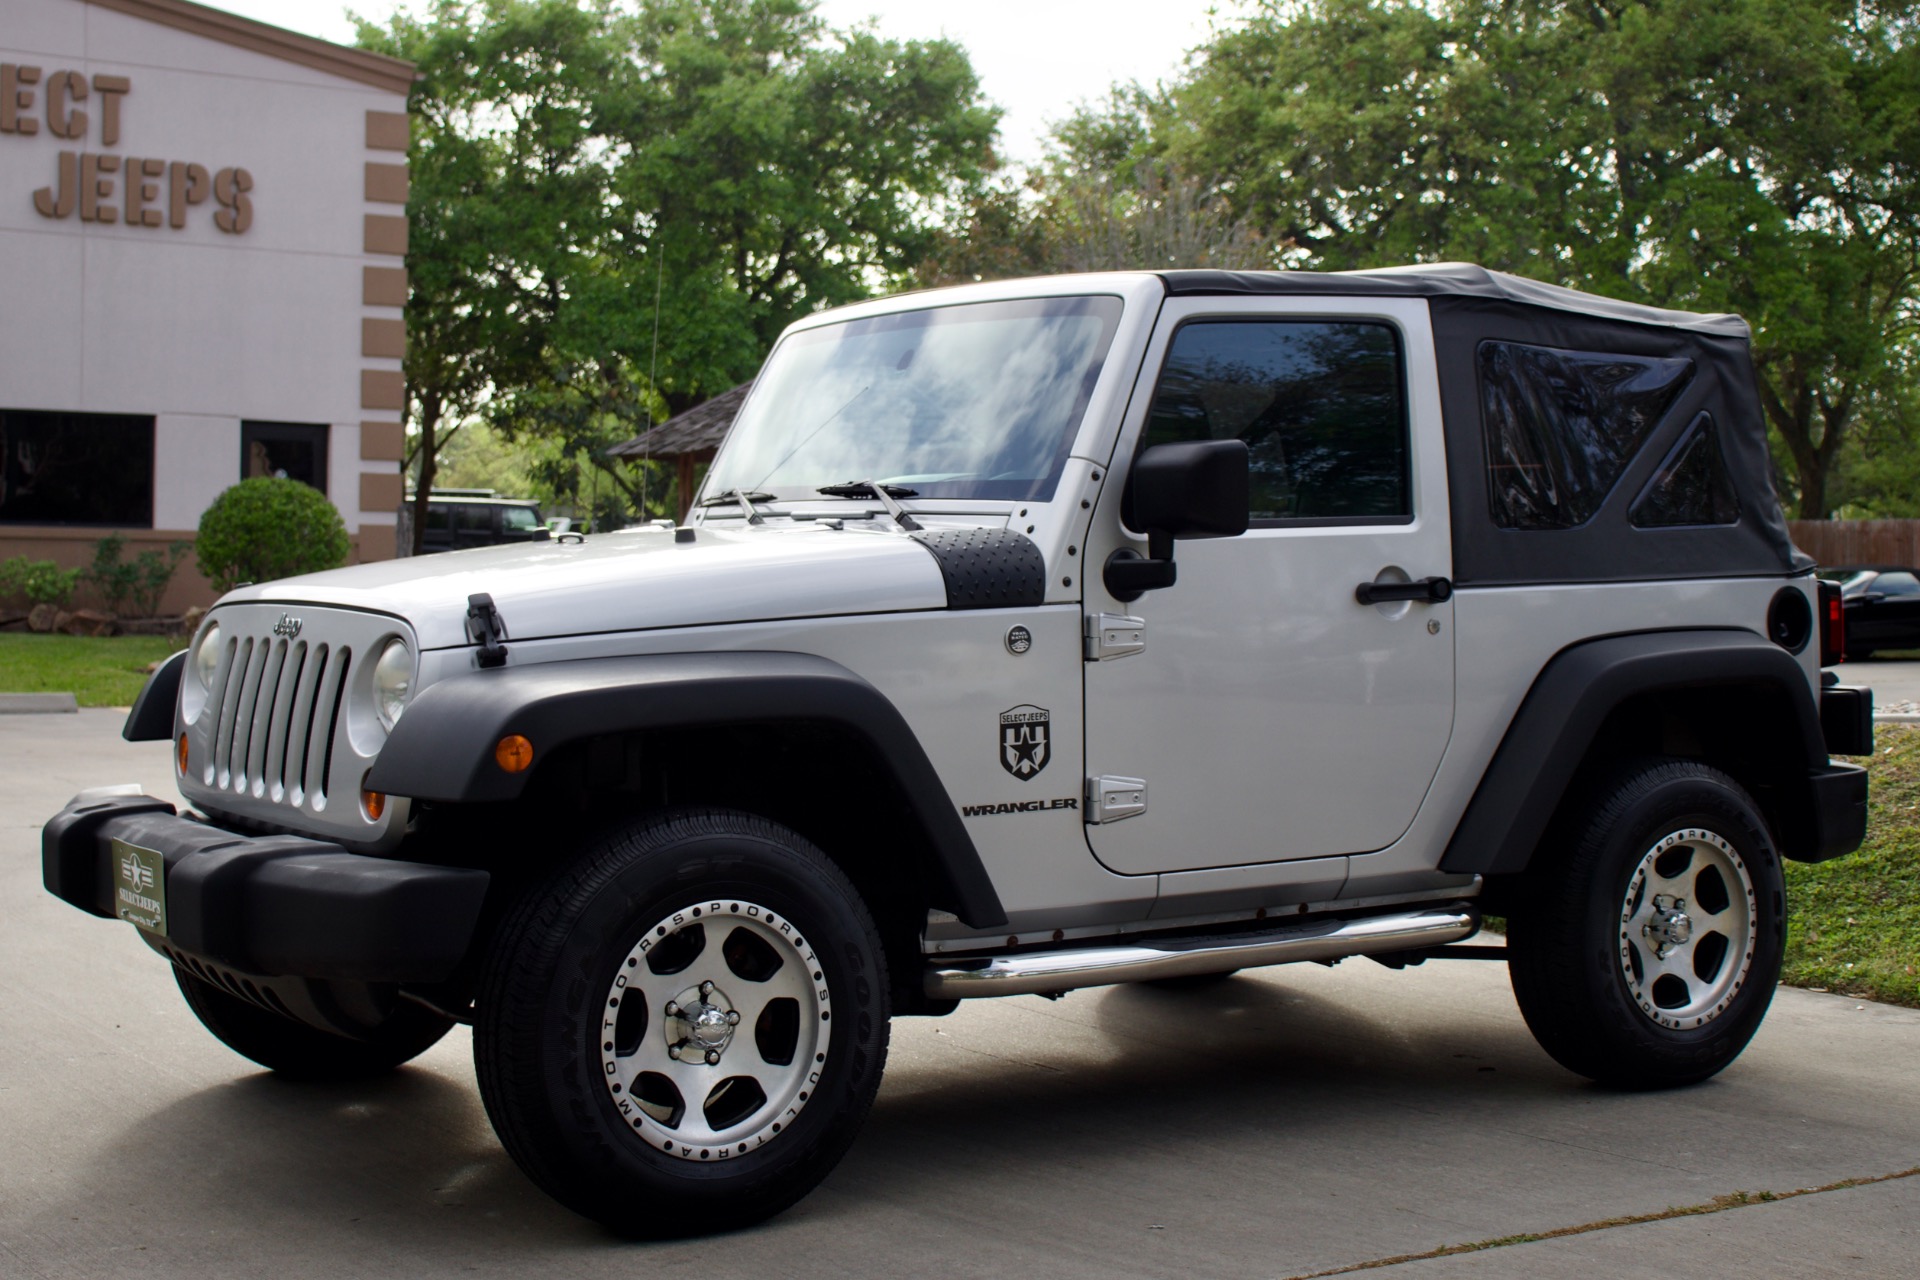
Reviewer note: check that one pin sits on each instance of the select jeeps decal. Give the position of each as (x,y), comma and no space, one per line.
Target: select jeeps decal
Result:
(1019,806)
(1023,741)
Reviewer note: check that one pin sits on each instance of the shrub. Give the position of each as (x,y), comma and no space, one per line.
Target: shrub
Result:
(266,528)
(37,581)
(142,580)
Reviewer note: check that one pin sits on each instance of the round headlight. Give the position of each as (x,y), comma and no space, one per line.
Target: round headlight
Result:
(206,657)
(392,682)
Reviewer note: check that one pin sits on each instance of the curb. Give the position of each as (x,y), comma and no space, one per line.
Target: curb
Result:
(30,704)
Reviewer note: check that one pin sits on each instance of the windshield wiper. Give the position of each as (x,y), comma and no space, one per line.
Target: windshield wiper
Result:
(744,499)
(874,489)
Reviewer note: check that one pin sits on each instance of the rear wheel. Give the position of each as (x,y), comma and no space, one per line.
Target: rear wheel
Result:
(1650,941)
(683,1033)
(301,1052)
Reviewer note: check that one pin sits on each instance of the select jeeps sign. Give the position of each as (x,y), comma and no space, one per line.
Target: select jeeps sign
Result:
(102,186)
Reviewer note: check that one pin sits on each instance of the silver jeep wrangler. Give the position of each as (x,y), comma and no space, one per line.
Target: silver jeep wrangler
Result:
(1027,637)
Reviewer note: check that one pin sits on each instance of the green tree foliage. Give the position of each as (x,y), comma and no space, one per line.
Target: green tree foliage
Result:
(1757,156)
(266,528)
(615,212)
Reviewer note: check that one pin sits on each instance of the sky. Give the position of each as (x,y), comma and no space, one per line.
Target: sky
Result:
(1037,59)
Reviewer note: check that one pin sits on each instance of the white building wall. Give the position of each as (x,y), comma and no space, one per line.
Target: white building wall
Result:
(198,326)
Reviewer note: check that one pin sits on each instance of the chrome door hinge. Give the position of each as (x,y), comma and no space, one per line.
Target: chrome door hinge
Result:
(1112,799)
(1114,635)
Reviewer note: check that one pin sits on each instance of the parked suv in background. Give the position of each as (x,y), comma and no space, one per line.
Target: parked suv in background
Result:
(461,518)
(1029,636)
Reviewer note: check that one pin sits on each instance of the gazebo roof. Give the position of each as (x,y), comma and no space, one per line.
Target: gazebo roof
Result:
(698,430)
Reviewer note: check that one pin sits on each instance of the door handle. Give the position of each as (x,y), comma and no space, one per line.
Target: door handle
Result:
(1425,591)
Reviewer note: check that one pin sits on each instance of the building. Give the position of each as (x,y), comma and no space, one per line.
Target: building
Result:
(688,439)
(202,230)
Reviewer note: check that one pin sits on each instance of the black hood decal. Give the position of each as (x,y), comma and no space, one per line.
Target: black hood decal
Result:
(987,568)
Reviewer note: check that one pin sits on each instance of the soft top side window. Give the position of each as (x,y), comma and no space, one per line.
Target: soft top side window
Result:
(1321,405)
(1561,426)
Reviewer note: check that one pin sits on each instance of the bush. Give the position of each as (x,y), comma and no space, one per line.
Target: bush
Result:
(37,581)
(143,580)
(266,528)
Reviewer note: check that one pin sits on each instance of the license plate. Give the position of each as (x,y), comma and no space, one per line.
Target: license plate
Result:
(140,886)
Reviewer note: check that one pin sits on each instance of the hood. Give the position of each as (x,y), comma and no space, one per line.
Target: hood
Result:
(633,580)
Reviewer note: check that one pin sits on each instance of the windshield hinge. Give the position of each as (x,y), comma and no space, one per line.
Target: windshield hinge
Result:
(1114,635)
(486,629)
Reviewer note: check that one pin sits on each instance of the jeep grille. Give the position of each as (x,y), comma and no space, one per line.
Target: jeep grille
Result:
(277,740)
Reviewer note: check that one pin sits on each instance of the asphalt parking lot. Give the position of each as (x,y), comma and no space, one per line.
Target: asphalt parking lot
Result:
(1296,1121)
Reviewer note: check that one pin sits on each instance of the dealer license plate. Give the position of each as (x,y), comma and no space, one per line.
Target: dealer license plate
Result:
(140,886)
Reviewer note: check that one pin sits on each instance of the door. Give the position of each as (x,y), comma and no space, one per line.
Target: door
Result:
(1271,715)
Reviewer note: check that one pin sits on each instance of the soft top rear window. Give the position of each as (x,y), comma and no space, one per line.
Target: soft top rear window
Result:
(1561,426)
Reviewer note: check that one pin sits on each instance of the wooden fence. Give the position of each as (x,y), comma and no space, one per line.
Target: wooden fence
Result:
(1835,542)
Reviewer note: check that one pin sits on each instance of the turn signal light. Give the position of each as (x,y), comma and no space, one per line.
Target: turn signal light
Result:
(514,754)
(1833,624)
(374,803)
(180,756)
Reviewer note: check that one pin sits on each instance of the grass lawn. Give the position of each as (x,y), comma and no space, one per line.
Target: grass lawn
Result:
(1854,923)
(101,672)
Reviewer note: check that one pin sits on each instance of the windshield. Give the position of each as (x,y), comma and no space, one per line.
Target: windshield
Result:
(974,401)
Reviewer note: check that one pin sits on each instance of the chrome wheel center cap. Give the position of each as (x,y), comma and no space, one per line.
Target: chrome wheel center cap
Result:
(1670,925)
(699,1024)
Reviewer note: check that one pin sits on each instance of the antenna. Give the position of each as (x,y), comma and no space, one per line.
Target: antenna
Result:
(653,374)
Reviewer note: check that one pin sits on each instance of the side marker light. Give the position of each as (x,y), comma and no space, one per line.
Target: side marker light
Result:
(514,754)
(180,757)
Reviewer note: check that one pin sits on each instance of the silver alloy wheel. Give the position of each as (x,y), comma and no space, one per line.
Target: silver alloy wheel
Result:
(1687,929)
(716,1030)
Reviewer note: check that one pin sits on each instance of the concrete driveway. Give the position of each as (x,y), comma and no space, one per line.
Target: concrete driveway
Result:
(1297,1121)
(1895,685)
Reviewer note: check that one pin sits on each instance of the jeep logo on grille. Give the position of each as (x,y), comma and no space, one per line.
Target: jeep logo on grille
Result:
(288,626)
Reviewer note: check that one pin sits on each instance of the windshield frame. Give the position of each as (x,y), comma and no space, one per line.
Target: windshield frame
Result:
(1112,308)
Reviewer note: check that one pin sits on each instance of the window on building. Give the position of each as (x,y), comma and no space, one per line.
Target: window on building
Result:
(1562,425)
(1321,405)
(76,468)
(294,450)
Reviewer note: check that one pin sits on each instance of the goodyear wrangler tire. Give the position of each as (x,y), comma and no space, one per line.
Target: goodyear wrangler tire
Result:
(683,1032)
(1651,936)
(300,1052)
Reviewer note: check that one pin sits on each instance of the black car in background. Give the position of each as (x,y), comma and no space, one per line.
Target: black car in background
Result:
(1882,604)
(477,518)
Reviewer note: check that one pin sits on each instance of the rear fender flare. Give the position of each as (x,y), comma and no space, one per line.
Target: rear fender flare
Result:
(1570,700)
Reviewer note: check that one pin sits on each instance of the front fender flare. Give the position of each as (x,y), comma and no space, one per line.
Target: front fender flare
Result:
(443,748)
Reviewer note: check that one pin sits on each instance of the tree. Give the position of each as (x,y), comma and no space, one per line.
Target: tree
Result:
(1758,156)
(617,212)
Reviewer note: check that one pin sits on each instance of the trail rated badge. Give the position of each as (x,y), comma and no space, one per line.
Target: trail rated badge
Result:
(1023,741)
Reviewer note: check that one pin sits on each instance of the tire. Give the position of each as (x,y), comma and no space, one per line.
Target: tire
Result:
(666,1077)
(1649,940)
(300,1052)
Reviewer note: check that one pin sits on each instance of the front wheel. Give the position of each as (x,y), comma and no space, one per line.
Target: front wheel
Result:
(684,1031)
(1652,930)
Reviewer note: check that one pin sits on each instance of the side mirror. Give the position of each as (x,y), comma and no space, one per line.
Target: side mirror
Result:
(1193,489)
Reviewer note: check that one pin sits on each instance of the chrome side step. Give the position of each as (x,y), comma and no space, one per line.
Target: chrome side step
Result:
(1052,971)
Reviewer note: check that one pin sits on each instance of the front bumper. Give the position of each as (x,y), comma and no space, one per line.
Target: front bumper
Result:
(274,906)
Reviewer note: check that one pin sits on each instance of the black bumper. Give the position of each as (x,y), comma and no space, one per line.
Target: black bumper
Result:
(1839,813)
(272,906)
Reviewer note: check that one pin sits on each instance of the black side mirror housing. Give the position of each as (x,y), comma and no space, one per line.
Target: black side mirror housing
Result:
(1192,489)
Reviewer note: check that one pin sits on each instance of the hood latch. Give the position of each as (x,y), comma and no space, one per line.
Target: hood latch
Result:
(486,629)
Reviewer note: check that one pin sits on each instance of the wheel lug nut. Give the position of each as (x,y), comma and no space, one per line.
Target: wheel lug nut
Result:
(713,1057)
(706,989)
(672,1010)
(733,1017)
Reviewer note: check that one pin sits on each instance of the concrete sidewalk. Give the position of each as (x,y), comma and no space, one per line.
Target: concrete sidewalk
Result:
(1294,1121)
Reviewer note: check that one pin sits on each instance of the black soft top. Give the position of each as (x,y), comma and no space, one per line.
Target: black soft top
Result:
(1475,313)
